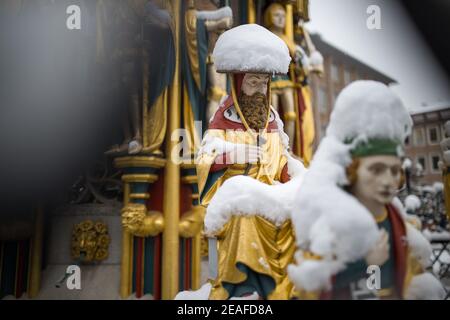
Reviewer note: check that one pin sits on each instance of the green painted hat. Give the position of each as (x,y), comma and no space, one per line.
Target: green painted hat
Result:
(377,146)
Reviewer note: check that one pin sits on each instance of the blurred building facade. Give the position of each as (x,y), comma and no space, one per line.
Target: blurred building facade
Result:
(423,147)
(339,70)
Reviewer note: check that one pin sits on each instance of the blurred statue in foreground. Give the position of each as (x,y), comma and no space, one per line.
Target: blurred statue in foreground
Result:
(365,248)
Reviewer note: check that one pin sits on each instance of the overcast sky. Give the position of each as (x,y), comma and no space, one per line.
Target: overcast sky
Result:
(397,50)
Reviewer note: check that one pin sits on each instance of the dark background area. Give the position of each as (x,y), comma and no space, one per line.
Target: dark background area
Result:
(59,106)
(432,18)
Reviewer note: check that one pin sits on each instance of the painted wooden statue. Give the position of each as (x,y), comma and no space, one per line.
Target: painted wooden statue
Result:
(290,92)
(245,137)
(366,249)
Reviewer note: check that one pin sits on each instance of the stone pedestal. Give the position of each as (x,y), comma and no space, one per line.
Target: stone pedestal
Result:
(99,280)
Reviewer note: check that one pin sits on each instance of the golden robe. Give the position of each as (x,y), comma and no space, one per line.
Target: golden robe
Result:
(248,242)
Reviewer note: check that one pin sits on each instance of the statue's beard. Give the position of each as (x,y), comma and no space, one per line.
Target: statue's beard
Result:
(255,110)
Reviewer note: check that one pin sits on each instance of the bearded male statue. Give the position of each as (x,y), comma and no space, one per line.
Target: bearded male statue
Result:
(246,137)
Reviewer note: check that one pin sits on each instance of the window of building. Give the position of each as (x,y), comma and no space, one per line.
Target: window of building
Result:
(435,158)
(418,118)
(445,114)
(347,76)
(419,136)
(422,161)
(334,73)
(322,100)
(433,135)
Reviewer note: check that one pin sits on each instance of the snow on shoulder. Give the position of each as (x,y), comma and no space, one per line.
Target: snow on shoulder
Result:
(242,195)
(251,48)
(246,196)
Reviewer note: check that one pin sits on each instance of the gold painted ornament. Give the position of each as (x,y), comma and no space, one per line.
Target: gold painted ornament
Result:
(136,220)
(90,241)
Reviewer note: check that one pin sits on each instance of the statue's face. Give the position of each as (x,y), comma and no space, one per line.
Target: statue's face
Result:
(88,244)
(255,83)
(279,18)
(253,100)
(378,178)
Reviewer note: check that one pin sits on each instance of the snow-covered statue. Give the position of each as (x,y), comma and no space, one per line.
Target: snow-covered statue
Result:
(249,250)
(354,240)
(290,92)
(283,86)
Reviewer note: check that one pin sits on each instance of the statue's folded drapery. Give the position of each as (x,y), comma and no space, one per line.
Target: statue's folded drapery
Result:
(253,252)
(253,255)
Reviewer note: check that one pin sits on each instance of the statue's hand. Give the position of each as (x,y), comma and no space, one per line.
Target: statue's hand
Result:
(219,25)
(380,253)
(300,56)
(243,153)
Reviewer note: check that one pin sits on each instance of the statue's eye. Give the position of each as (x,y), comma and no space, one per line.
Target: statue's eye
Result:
(395,171)
(377,169)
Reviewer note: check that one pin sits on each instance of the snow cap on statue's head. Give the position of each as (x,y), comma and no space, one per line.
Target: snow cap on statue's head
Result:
(251,48)
(370,112)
